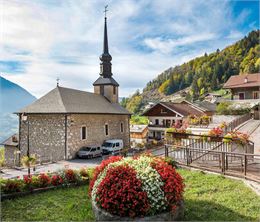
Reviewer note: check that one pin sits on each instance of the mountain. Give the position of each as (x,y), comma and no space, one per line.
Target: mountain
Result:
(200,75)
(12,98)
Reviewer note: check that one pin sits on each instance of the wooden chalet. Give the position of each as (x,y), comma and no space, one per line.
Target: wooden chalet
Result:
(165,114)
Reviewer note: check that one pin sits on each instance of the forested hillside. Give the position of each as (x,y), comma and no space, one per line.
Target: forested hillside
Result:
(202,74)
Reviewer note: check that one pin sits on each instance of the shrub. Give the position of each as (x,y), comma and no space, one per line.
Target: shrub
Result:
(171,162)
(70,175)
(44,180)
(12,186)
(56,180)
(138,186)
(31,182)
(2,156)
(28,161)
(120,192)
(83,172)
(225,108)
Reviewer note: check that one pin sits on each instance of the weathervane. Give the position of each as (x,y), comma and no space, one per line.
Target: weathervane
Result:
(105,11)
(57,81)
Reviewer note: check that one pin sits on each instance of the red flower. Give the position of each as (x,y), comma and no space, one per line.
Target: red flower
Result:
(44,180)
(27,179)
(120,193)
(56,180)
(173,183)
(70,176)
(100,168)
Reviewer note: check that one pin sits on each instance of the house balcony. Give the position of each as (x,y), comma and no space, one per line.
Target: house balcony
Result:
(155,127)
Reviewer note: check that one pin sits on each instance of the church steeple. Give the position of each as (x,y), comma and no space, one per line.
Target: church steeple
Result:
(105,58)
(105,85)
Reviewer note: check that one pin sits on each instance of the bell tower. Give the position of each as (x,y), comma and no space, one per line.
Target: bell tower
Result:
(105,85)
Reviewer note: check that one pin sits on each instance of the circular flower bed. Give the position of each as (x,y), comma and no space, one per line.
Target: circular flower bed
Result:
(136,187)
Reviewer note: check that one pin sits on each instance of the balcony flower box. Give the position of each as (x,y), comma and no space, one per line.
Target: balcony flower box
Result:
(215,139)
(180,135)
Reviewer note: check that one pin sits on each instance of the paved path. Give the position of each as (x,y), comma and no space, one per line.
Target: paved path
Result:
(52,167)
(252,127)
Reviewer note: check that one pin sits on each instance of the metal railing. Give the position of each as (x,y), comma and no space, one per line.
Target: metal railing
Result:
(245,165)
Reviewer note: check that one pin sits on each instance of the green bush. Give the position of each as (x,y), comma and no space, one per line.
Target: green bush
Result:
(2,156)
(171,161)
(139,120)
(225,108)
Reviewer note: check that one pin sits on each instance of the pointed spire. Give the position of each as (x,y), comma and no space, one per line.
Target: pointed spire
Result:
(105,44)
(105,65)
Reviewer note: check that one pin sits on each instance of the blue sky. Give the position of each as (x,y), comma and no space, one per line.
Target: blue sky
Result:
(44,39)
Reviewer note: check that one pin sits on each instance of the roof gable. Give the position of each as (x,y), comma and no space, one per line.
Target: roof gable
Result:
(161,110)
(172,109)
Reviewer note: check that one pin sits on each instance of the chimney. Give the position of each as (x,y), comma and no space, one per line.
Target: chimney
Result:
(246,80)
(14,139)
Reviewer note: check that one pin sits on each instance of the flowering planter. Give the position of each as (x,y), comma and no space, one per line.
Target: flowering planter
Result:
(102,215)
(39,190)
(216,139)
(180,136)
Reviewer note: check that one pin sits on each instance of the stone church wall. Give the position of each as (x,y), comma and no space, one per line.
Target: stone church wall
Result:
(95,125)
(46,137)
(47,134)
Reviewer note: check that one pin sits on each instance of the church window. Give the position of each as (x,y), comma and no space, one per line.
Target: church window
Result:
(122,127)
(83,132)
(114,90)
(106,129)
(102,90)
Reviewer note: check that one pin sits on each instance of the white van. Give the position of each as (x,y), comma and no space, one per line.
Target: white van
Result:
(112,146)
(89,152)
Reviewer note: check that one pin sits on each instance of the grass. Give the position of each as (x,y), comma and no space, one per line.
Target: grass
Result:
(207,197)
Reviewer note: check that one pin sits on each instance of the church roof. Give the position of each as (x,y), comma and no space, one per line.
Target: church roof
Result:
(66,100)
(105,81)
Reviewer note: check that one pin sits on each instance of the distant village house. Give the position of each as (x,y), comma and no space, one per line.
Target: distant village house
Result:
(11,151)
(138,135)
(165,114)
(244,86)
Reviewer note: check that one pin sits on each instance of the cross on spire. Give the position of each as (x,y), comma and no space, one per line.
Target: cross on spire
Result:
(105,11)
(57,80)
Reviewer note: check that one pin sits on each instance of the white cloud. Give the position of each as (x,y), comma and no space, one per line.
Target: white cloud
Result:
(166,46)
(64,38)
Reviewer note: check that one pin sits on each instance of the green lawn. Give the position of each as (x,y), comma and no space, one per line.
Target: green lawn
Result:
(207,197)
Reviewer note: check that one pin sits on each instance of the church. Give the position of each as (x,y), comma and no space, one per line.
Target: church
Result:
(58,124)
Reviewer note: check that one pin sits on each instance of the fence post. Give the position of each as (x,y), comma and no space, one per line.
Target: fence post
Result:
(226,162)
(187,156)
(166,151)
(245,165)
(223,162)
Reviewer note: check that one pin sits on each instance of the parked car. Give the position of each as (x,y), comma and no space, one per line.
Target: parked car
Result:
(89,152)
(112,146)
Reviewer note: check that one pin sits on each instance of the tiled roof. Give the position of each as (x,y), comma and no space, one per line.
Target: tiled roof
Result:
(66,100)
(184,109)
(137,128)
(238,81)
